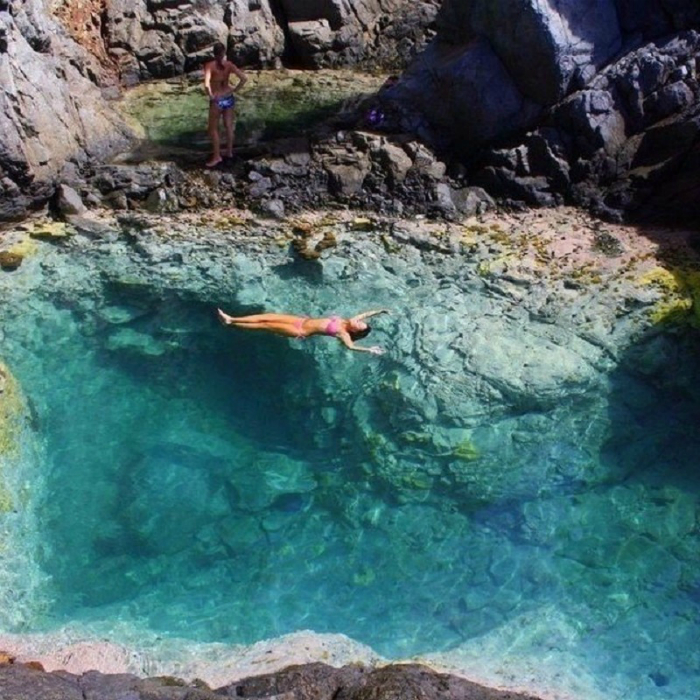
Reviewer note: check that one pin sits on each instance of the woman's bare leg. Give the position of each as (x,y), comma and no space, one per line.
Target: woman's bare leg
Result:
(258,318)
(282,324)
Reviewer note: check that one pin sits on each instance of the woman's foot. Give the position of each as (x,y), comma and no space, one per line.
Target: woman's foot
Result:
(213,162)
(224,318)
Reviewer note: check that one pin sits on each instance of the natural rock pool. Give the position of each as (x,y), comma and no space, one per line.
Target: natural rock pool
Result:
(273,104)
(512,487)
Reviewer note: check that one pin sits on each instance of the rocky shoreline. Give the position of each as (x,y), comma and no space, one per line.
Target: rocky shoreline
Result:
(612,125)
(315,681)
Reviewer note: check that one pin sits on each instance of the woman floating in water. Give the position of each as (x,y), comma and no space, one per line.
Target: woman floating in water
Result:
(346,330)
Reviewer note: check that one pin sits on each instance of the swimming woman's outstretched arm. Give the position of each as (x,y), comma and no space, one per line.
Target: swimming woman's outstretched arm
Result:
(369,314)
(347,341)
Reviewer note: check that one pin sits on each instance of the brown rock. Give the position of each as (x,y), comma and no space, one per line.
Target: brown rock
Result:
(10,261)
(6,658)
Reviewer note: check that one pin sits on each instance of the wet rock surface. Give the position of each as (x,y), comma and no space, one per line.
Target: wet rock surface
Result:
(310,682)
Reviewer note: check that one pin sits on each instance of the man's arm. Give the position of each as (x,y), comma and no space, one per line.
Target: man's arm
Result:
(242,77)
(207,79)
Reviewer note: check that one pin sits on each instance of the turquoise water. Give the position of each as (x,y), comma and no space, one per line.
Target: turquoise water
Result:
(219,486)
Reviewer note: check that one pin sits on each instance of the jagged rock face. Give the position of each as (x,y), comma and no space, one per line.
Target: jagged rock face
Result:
(545,48)
(50,112)
(157,39)
(341,32)
(604,84)
(628,141)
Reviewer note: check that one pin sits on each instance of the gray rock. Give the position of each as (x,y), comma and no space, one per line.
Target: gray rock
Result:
(254,34)
(49,112)
(274,208)
(314,681)
(18,682)
(347,178)
(161,200)
(69,201)
(548,48)
(395,160)
(610,145)
(310,38)
(461,96)
(470,201)
(155,40)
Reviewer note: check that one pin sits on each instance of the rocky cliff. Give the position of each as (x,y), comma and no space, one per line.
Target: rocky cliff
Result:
(58,61)
(594,102)
(156,39)
(53,117)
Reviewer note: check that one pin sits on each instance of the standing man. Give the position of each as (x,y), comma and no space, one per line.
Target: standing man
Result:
(222,101)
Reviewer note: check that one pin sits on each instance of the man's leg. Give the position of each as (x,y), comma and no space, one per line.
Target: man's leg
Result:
(228,124)
(213,129)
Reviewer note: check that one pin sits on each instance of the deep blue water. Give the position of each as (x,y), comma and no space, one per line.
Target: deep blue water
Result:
(202,483)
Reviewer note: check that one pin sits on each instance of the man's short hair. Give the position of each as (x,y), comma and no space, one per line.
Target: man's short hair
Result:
(219,49)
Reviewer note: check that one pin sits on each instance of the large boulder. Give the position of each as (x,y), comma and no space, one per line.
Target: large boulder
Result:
(590,102)
(544,48)
(626,142)
(340,32)
(254,34)
(495,66)
(461,99)
(50,113)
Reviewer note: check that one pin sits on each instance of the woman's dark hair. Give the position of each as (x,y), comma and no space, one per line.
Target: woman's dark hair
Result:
(356,335)
(219,50)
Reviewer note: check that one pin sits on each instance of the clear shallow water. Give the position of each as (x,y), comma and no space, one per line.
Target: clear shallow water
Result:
(231,487)
(273,104)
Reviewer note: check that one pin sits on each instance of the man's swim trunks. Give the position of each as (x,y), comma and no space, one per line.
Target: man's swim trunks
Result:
(225,102)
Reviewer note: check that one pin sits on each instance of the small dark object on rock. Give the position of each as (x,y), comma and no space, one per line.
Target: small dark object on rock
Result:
(606,243)
(10,261)
(34,665)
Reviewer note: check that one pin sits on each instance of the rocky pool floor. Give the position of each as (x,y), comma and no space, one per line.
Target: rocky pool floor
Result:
(511,492)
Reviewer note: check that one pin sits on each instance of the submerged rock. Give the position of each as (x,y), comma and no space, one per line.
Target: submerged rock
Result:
(9,260)
(173,493)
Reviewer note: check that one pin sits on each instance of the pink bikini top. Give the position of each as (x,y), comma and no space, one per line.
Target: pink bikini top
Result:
(333,326)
